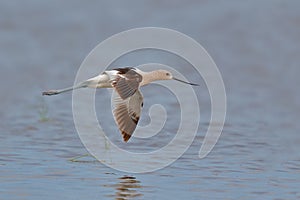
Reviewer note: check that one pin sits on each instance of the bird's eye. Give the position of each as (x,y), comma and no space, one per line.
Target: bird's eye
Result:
(168,74)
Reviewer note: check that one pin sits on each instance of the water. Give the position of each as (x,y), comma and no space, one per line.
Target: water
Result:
(255,44)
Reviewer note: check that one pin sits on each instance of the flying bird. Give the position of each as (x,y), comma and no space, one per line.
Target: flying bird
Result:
(129,100)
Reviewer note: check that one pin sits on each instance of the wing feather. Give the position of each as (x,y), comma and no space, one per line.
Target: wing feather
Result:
(127,112)
(126,84)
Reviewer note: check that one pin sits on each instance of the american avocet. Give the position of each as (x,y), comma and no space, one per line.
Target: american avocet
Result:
(129,100)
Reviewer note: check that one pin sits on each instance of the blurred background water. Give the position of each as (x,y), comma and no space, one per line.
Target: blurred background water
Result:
(256,47)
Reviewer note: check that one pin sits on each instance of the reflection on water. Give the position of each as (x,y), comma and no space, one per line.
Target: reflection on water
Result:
(127,188)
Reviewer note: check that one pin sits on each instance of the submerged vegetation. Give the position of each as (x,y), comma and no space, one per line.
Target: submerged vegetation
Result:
(43,110)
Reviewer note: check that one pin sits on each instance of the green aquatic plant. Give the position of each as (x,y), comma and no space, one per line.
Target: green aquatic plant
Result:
(43,111)
(88,158)
(107,144)
(80,160)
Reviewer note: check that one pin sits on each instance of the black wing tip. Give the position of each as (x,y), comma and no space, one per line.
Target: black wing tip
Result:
(123,70)
(126,136)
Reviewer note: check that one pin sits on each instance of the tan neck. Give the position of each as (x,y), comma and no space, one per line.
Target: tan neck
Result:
(149,77)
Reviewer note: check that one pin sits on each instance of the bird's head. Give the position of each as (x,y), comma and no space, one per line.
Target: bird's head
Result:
(166,75)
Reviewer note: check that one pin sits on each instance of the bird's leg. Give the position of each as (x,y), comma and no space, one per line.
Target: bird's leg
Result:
(55,92)
(101,80)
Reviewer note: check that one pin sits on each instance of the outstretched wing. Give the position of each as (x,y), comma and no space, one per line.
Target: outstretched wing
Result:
(127,112)
(127,82)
